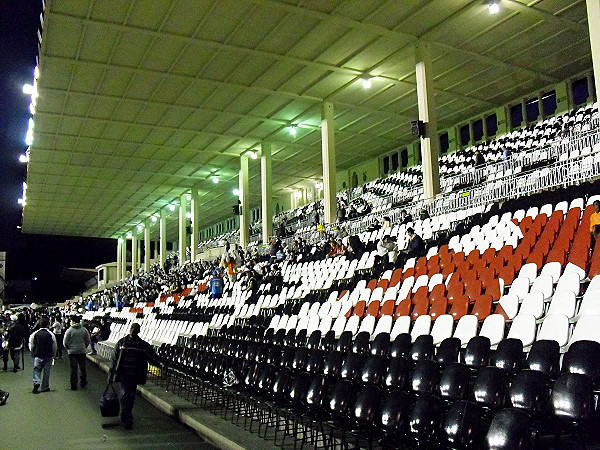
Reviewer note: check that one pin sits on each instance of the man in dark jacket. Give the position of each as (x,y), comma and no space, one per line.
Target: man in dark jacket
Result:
(43,347)
(17,332)
(129,368)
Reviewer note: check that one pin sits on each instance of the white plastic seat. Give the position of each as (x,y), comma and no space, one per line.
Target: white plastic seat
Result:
(510,305)
(339,325)
(520,287)
(384,325)
(590,304)
(421,326)
(572,268)
(442,328)
(543,284)
(352,324)
(569,281)
(324,326)
(422,280)
(273,324)
(367,324)
(401,325)
(555,327)
(493,329)
(587,329)
(391,293)
(291,323)
(407,285)
(529,271)
(466,328)
(435,279)
(523,327)
(563,302)
(595,283)
(533,303)
(552,269)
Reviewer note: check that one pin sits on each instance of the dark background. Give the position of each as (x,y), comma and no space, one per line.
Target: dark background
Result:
(34,263)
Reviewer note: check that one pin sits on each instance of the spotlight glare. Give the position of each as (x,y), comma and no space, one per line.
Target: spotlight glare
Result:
(140,227)
(293,130)
(215,179)
(494,8)
(253,155)
(27,89)
(24,158)
(236,192)
(171,207)
(366,83)
(153,218)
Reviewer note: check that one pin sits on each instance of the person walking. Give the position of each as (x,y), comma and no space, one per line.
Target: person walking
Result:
(76,341)
(129,368)
(17,333)
(57,329)
(42,345)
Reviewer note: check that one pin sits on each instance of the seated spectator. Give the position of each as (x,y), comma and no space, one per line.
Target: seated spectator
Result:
(414,249)
(355,248)
(506,154)
(387,223)
(595,221)
(374,226)
(100,334)
(479,159)
(405,217)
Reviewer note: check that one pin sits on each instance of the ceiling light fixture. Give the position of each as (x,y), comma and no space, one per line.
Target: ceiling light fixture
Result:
(236,192)
(24,158)
(253,155)
(153,218)
(494,7)
(293,130)
(140,227)
(366,83)
(188,215)
(171,207)
(215,179)
(298,194)
(129,235)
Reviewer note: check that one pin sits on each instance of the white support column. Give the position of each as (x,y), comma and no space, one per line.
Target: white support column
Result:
(182,223)
(124,258)
(119,261)
(430,143)
(266,192)
(244,198)
(195,209)
(329,164)
(147,246)
(134,253)
(162,237)
(593,13)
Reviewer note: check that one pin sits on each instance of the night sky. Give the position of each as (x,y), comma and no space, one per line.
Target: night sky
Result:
(30,257)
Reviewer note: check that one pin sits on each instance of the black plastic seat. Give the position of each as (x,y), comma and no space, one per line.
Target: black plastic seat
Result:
(314,340)
(426,418)
(400,348)
(462,426)
(351,366)
(448,351)
(290,338)
(422,348)
(396,373)
(274,355)
(360,344)
(508,356)
(583,357)
(528,392)
(489,388)
(425,377)
(454,382)
(373,369)
(328,341)
(394,417)
(477,353)
(300,358)
(544,356)
(315,361)
(301,337)
(510,430)
(344,342)
(380,345)
(333,364)
(279,337)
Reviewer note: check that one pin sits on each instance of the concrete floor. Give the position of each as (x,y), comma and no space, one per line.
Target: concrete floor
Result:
(65,419)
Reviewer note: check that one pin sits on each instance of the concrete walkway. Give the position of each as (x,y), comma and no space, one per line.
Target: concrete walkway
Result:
(65,419)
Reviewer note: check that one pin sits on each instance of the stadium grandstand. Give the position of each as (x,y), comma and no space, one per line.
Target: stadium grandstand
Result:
(300,150)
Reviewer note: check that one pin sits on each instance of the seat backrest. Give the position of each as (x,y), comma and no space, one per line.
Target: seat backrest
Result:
(510,430)
(425,377)
(571,397)
(489,388)
(477,352)
(544,356)
(508,356)
(454,382)
(528,391)
(448,351)
(583,357)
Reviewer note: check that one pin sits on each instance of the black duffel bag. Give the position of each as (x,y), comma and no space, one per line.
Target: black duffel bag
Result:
(109,402)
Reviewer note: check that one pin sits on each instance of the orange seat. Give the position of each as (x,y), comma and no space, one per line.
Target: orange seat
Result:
(372,284)
(460,307)
(492,287)
(383,284)
(396,277)
(373,308)
(507,273)
(422,292)
(359,308)
(403,308)
(387,309)
(421,307)
(438,307)
(438,291)
(482,307)
(473,290)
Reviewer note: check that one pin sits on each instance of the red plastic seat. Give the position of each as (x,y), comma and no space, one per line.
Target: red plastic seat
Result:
(482,307)
(359,308)
(473,290)
(420,308)
(492,287)
(422,292)
(387,309)
(372,284)
(383,284)
(403,308)
(396,277)
(373,308)
(438,307)
(460,307)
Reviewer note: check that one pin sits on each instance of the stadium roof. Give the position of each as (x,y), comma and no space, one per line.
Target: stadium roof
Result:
(141,100)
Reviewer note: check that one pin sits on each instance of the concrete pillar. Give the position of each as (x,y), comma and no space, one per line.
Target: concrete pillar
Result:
(195,209)
(134,253)
(329,164)
(244,198)
(430,143)
(119,256)
(266,190)
(182,224)
(593,13)
(162,237)
(147,246)
(124,258)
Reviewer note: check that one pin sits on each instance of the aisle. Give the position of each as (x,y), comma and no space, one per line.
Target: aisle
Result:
(65,419)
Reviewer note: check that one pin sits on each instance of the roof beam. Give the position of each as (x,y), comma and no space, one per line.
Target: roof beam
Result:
(395,34)
(516,5)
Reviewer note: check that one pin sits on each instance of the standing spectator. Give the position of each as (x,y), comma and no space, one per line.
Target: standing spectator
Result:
(100,334)
(595,221)
(76,341)
(43,347)
(216,285)
(57,329)
(129,368)
(17,333)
